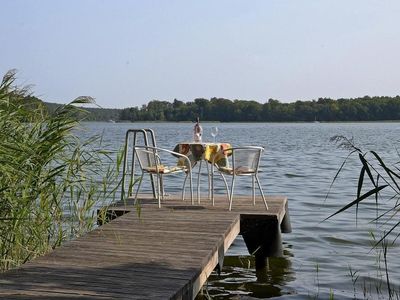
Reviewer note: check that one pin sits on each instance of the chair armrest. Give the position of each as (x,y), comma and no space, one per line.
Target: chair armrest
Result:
(262,149)
(176,154)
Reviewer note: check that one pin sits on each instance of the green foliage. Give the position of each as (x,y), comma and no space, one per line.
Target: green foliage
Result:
(225,110)
(48,185)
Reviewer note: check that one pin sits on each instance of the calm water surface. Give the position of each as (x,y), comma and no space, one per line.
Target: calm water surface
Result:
(300,163)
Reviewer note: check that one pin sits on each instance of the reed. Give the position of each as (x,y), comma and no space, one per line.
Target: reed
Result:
(50,180)
(381,181)
(375,176)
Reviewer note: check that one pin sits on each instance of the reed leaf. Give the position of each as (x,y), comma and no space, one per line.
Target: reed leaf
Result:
(358,200)
(388,170)
(368,166)
(367,169)
(337,173)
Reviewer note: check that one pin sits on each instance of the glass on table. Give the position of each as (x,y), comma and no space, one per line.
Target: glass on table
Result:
(214,132)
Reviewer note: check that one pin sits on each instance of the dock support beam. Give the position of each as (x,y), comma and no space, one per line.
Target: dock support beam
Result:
(262,237)
(221,255)
(286,226)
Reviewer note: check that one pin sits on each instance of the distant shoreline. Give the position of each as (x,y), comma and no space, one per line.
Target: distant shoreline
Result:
(323,110)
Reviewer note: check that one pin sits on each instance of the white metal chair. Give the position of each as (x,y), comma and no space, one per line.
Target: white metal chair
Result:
(150,162)
(245,161)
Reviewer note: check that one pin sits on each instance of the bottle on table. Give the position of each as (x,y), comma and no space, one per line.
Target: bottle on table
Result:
(197,131)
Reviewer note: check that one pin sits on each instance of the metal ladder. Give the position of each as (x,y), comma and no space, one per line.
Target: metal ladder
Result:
(131,138)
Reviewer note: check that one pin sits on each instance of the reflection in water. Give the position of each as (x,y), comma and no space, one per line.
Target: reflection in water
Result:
(240,279)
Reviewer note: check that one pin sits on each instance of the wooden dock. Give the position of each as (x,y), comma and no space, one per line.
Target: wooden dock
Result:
(165,253)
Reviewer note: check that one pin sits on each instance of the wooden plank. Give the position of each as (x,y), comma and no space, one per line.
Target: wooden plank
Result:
(174,249)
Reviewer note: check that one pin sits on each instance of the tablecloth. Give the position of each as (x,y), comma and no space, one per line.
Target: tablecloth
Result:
(207,151)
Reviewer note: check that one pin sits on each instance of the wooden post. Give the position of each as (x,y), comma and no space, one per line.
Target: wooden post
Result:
(262,237)
(286,226)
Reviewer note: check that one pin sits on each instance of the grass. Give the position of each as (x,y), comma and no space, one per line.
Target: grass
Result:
(50,180)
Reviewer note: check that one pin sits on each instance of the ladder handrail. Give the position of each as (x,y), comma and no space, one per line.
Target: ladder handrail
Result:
(145,132)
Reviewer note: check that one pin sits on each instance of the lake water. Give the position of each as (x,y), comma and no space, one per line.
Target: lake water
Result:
(300,162)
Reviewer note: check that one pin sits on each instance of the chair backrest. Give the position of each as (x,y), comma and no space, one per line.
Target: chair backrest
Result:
(246,159)
(147,157)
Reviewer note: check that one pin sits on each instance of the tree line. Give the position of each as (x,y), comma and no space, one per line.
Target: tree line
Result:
(225,110)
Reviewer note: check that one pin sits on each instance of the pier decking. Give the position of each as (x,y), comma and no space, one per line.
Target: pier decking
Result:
(163,253)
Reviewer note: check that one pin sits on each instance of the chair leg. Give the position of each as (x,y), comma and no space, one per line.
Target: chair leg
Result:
(184,185)
(162,187)
(226,186)
(254,190)
(138,188)
(209,181)
(191,187)
(153,187)
(198,183)
(262,193)
(231,197)
(212,184)
(158,191)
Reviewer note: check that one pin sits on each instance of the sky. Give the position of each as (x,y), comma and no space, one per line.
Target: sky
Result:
(127,53)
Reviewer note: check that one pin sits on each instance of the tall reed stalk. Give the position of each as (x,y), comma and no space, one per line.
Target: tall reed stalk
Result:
(50,180)
(380,181)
